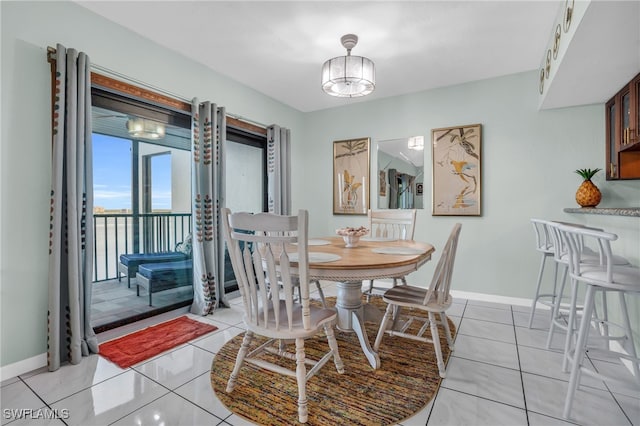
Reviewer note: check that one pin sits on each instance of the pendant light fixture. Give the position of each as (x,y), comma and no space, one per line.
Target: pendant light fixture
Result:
(348,76)
(416,143)
(145,129)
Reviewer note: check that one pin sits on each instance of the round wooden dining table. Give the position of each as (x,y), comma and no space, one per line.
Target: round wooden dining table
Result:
(373,258)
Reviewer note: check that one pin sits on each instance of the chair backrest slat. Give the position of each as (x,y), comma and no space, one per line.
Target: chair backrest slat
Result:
(574,238)
(258,245)
(544,240)
(559,247)
(395,223)
(441,282)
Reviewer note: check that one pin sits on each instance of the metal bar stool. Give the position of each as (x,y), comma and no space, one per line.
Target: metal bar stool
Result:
(544,244)
(565,315)
(603,277)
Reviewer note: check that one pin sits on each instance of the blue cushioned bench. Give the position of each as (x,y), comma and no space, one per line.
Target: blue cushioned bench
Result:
(155,277)
(129,263)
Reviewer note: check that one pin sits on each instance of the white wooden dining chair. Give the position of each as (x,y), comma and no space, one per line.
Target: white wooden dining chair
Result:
(259,258)
(434,300)
(397,224)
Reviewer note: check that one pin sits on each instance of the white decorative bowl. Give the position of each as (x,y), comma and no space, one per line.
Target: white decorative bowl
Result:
(351,240)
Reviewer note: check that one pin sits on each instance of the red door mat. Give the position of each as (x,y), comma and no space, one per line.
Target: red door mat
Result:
(144,344)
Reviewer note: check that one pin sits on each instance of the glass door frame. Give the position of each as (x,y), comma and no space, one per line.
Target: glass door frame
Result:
(256,140)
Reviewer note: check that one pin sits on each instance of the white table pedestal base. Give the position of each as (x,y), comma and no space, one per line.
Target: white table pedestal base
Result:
(352,314)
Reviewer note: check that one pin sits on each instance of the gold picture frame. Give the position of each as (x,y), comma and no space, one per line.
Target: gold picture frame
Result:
(351,171)
(456,170)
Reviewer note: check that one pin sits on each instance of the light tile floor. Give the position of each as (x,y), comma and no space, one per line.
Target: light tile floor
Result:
(499,374)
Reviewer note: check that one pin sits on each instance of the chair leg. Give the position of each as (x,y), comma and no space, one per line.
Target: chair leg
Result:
(321,293)
(436,344)
(629,333)
(555,311)
(242,352)
(579,353)
(447,330)
(604,328)
(383,326)
(555,282)
(571,324)
(301,377)
(333,344)
(369,291)
(539,283)
(396,316)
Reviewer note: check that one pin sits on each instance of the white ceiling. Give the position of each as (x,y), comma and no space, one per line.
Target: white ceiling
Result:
(278,47)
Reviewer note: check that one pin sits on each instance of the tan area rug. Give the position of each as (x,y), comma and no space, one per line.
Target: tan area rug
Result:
(406,381)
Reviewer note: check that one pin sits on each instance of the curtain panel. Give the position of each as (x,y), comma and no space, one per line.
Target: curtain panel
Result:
(393,189)
(209,130)
(279,169)
(70,335)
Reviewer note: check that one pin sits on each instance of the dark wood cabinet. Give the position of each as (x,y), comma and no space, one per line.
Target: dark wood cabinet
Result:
(623,132)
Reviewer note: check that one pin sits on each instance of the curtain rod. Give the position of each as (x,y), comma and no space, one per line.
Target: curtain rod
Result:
(111,73)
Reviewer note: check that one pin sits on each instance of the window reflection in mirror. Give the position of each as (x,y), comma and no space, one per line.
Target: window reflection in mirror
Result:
(401,173)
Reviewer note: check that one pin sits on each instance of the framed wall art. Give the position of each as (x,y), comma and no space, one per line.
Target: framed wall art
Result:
(351,176)
(456,157)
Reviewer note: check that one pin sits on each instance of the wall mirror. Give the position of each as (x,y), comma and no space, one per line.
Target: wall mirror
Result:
(401,173)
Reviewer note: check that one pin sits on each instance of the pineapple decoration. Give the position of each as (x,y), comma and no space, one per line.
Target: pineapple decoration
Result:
(588,195)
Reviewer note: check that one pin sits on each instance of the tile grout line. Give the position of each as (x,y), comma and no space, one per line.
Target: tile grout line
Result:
(535,374)
(607,386)
(524,394)
(455,338)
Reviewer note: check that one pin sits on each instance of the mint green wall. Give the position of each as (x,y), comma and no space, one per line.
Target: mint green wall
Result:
(528,158)
(27,29)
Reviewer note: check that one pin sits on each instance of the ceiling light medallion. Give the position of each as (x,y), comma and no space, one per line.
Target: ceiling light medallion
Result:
(348,76)
(145,129)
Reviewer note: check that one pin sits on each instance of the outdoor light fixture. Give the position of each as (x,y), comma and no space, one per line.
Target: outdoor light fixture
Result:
(416,143)
(145,129)
(348,76)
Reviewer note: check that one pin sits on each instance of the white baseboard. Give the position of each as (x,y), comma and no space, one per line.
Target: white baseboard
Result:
(492,298)
(21,367)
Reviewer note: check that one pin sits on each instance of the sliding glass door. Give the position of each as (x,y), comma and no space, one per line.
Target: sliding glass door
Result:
(142,205)
(244,177)
(245,182)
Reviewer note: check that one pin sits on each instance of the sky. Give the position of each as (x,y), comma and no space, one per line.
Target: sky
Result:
(112,175)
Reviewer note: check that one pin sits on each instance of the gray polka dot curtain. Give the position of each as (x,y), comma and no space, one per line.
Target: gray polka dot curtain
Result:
(70,335)
(209,129)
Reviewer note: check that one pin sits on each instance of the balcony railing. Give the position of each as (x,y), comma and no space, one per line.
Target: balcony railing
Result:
(116,234)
